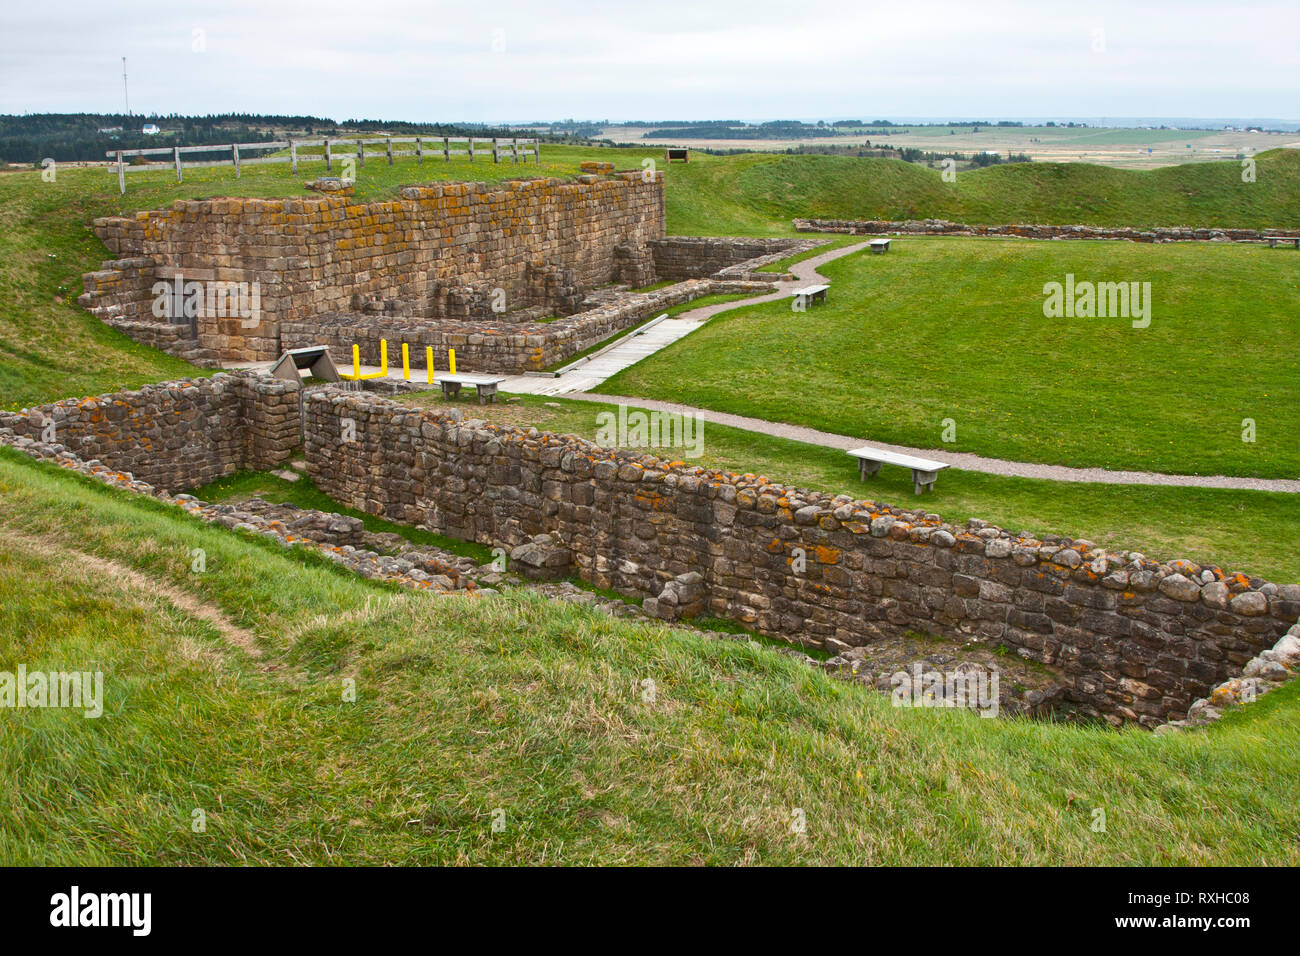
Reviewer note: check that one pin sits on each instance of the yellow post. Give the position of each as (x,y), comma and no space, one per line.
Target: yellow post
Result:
(356,361)
(451,360)
(383,358)
(428,362)
(406,363)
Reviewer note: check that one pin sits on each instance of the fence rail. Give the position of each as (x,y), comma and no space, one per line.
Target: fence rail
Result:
(512,148)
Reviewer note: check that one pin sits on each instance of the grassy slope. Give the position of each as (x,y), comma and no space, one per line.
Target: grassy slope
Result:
(760,193)
(913,351)
(533,707)
(1252,531)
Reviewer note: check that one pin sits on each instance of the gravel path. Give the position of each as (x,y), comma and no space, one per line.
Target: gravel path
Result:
(807,272)
(963,460)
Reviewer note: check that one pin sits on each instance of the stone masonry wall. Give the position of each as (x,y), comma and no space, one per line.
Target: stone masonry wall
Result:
(494,346)
(1134,639)
(319,255)
(697,257)
(176,435)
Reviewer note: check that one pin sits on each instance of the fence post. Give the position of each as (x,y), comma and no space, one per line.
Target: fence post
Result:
(419,152)
(293,157)
(121,173)
(446,149)
(361,154)
(471,149)
(514,150)
(234,151)
(496,156)
(537,152)
(390,151)
(328,167)
(176,156)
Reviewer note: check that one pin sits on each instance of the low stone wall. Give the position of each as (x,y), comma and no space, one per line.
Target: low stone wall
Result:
(177,435)
(1135,639)
(697,257)
(495,346)
(943,227)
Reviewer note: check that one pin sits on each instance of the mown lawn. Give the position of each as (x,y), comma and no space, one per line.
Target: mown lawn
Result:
(944,333)
(1251,531)
(533,714)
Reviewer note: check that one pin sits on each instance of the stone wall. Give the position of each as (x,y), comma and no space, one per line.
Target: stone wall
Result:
(176,435)
(1135,639)
(943,227)
(319,255)
(495,346)
(696,257)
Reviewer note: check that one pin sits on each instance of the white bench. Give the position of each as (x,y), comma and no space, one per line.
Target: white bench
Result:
(485,386)
(809,294)
(879,246)
(924,471)
(1275,241)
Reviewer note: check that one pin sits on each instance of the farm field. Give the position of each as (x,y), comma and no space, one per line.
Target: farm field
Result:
(1105,146)
(466,708)
(951,334)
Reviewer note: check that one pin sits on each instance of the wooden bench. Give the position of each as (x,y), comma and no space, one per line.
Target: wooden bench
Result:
(485,386)
(879,246)
(1274,240)
(809,294)
(924,471)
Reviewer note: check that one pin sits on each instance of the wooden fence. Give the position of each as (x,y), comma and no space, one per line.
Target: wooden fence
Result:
(333,149)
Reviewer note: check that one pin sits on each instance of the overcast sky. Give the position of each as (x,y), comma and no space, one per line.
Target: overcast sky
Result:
(494,61)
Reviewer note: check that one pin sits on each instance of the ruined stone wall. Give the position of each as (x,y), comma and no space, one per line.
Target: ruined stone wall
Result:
(494,346)
(944,227)
(1135,640)
(176,435)
(320,255)
(696,257)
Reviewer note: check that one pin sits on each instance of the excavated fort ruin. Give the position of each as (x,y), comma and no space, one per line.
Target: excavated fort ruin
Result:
(515,276)
(1127,638)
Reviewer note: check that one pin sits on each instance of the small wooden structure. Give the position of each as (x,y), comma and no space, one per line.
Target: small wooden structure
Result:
(924,471)
(485,386)
(315,359)
(675,153)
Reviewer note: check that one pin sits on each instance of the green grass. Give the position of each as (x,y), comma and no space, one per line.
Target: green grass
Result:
(759,193)
(465,707)
(1241,530)
(305,494)
(953,329)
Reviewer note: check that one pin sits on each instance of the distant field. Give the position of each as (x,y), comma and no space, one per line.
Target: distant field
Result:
(953,329)
(1104,146)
